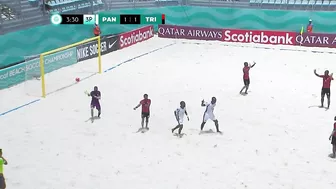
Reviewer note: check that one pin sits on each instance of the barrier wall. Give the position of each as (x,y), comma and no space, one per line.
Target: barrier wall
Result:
(14,46)
(109,43)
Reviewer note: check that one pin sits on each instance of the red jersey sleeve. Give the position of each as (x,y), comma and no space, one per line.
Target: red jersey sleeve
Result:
(335,126)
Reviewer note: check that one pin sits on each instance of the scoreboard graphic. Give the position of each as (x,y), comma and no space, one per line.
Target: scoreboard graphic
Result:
(91,19)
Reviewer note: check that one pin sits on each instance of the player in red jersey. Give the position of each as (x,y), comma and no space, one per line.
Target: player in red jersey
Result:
(333,140)
(145,103)
(246,77)
(326,86)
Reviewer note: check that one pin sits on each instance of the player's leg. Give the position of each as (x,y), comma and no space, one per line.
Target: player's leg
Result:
(217,126)
(92,108)
(213,118)
(180,129)
(241,91)
(99,110)
(205,119)
(142,120)
(2,182)
(173,129)
(178,124)
(247,84)
(328,96)
(322,96)
(243,87)
(147,120)
(333,142)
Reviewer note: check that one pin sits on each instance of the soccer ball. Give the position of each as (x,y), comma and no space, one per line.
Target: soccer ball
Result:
(77,79)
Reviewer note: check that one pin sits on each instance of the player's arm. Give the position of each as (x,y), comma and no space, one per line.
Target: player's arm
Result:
(176,112)
(332,133)
(203,103)
(4,160)
(91,94)
(98,96)
(137,106)
(186,114)
(331,75)
(317,74)
(253,65)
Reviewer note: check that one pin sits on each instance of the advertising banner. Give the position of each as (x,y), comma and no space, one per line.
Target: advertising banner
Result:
(109,43)
(133,37)
(227,35)
(187,32)
(30,69)
(316,40)
(261,37)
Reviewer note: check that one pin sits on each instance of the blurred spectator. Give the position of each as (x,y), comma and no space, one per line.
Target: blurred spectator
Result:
(45,5)
(96,30)
(310,26)
(3,161)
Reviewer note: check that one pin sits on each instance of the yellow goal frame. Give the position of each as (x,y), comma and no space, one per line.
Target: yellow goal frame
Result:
(64,48)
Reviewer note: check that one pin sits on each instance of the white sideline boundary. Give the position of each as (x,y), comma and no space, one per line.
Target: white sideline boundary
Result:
(260,46)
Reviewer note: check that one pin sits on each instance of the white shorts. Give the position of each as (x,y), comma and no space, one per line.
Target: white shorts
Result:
(180,121)
(208,116)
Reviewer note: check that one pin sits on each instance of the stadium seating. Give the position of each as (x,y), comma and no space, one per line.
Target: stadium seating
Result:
(296,4)
(72,6)
(167,2)
(7,12)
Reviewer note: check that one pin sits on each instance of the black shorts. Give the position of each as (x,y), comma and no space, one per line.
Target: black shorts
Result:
(246,81)
(2,182)
(325,91)
(333,140)
(145,115)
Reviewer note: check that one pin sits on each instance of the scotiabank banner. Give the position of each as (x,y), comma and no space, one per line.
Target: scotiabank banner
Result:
(261,37)
(187,32)
(248,36)
(316,40)
(227,35)
(133,37)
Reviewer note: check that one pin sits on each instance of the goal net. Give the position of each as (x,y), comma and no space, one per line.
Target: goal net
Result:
(60,68)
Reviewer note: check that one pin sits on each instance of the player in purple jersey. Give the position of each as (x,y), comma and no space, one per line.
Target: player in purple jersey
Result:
(95,94)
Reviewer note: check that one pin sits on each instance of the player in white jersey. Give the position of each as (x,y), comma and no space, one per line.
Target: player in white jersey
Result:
(179,115)
(209,113)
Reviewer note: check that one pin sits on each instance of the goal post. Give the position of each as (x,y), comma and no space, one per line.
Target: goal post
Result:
(42,58)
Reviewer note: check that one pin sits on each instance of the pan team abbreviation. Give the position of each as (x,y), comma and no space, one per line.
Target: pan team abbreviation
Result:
(91,19)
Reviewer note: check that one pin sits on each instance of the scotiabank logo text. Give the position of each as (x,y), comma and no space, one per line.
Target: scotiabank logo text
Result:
(263,37)
(133,37)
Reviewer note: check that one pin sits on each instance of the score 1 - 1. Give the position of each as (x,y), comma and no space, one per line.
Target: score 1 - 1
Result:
(89,19)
